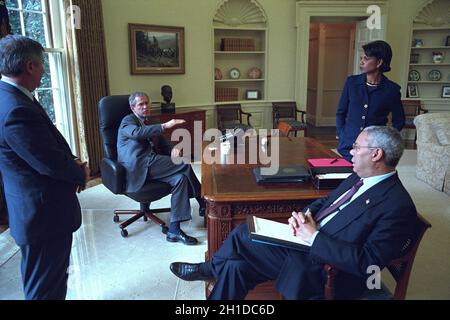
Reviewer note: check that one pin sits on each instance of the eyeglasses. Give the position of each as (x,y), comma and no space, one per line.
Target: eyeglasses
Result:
(356,147)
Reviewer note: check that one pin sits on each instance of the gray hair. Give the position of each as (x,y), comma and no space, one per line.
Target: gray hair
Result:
(388,139)
(15,52)
(133,96)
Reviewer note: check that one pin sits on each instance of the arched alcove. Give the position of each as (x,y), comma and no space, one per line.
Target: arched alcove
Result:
(240,47)
(238,13)
(435,13)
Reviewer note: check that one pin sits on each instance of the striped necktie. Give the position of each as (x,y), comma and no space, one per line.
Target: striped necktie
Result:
(335,206)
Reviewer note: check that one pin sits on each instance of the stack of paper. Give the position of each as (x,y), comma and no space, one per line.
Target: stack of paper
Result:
(275,233)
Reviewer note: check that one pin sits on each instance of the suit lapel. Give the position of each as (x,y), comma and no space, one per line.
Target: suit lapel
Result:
(363,89)
(345,186)
(360,205)
(35,103)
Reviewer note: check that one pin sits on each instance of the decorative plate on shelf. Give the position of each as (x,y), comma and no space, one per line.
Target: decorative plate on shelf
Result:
(254,73)
(235,73)
(414,75)
(434,75)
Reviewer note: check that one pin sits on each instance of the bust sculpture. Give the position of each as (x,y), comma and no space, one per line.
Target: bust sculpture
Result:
(167,106)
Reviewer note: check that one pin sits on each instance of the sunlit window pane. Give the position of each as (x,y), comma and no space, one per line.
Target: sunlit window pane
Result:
(14,22)
(12,3)
(46,81)
(32,4)
(45,98)
(34,27)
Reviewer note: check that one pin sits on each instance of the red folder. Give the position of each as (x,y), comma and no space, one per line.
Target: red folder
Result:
(329,162)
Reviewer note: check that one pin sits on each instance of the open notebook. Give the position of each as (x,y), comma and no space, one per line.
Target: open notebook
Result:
(274,233)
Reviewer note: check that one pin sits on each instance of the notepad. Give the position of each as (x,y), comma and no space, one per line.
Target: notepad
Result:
(333,176)
(274,233)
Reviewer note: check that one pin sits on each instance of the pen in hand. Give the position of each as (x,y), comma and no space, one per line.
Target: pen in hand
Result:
(334,161)
(306,216)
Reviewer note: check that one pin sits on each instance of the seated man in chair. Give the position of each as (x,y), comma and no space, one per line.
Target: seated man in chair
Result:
(365,222)
(137,145)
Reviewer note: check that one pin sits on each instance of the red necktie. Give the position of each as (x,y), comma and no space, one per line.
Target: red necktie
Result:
(327,211)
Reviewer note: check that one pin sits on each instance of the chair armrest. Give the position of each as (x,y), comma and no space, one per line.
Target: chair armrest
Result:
(303,113)
(331,272)
(248,116)
(276,117)
(113,175)
(422,110)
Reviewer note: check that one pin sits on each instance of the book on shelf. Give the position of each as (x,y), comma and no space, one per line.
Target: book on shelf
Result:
(275,233)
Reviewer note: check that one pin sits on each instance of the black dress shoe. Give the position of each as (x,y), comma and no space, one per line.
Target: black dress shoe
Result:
(191,271)
(181,237)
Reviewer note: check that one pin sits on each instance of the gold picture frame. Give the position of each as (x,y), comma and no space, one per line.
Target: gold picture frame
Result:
(156,49)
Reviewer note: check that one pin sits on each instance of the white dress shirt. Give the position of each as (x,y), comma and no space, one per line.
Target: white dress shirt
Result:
(24,90)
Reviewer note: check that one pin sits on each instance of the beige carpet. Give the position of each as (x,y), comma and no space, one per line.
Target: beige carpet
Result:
(116,268)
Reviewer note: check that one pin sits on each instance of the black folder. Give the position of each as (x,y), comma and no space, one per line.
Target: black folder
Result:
(285,174)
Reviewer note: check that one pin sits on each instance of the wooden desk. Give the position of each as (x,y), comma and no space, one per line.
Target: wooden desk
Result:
(188,114)
(231,194)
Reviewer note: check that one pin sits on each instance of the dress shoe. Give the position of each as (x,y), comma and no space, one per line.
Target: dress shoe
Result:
(191,271)
(181,237)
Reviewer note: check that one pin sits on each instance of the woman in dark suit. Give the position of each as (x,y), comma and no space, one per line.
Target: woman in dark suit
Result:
(368,98)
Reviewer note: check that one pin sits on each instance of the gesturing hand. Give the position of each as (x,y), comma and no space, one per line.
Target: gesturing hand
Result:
(173,123)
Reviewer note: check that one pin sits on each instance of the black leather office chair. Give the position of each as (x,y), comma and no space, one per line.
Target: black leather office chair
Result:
(112,110)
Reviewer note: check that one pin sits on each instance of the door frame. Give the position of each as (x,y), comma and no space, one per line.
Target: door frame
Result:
(304,11)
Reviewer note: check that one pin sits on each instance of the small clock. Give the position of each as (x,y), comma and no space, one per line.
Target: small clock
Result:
(235,73)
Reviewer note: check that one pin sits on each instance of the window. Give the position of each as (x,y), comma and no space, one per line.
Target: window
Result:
(42,20)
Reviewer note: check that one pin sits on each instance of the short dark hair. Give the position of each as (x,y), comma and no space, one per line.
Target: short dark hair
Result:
(15,51)
(134,95)
(380,50)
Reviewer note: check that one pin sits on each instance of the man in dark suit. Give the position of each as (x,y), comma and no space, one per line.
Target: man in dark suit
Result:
(137,145)
(40,174)
(364,222)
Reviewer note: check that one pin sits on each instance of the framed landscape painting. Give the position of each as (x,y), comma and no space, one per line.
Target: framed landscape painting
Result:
(156,49)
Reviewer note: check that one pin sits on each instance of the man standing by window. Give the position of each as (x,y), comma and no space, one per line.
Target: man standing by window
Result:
(40,174)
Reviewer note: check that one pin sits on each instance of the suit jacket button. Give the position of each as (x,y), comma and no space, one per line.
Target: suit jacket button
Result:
(366,106)
(363,117)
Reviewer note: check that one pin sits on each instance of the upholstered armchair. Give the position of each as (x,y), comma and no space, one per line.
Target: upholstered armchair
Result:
(433,150)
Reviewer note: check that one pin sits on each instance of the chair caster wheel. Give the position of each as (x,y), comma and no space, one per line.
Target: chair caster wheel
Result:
(116,218)
(145,218)
(165,229)
(124,233)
